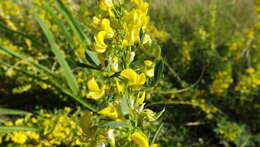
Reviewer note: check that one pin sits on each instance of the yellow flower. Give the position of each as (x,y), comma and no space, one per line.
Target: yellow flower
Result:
(133,78)
(32,135)
(140,139)
(19,121)
(67,109)
(106,4)
(95,91)
(149,68)
(99,44)
(147,39)
(131,37)
(141,5)
(155,145)
(29,44)
(96,20)
(135,20)
(250,70)
(148,63)
(141,99)
(105,26)
(110,111)
(9,123)
(118,85)
(19,137)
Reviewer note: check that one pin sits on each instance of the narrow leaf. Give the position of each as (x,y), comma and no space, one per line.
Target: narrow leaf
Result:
(71,80)
(159,114)
(158,71)
(115,124)
(5,129)
(5,111)
(72,22)
(60,24)
(92,57)
(157,133)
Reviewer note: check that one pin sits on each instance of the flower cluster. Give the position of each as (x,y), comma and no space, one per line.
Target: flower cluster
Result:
(221,83)
(120,32)
(59,128)
(230,130)
(248,81)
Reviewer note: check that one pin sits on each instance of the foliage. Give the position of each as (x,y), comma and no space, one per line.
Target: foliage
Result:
(134,72)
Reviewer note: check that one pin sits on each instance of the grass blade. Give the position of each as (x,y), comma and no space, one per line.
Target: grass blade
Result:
(72,22)
(92,57)
(115,124)
(71,80)
(5,129)
(157,133)
(77,30)
(60,24)
(5,111)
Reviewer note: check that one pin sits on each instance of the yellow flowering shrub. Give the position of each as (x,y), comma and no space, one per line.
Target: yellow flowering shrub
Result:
(58,128)
(107,82)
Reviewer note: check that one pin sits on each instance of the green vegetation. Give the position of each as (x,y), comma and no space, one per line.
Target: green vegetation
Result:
(127,73)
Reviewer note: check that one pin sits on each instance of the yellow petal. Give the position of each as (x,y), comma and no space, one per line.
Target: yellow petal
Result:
(105,4)
(148,63)
(93,85)
(99,44)
(130,75)
(140,139)
(147,39)
(96,20)
(96,95)
(105,25)
(155,145)
(141,99)
(110,111)
(141,79)
(118,86)
(149,69)
(149,72)
(131,37)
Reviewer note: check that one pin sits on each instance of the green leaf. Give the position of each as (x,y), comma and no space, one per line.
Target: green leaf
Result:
(141,35)
(115,124)
(60,24)
(71,80)
(5,129)
(85,121)
(159,114)
(159,67)
(92,57)
(5,111)
(72,22)
(157,133)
